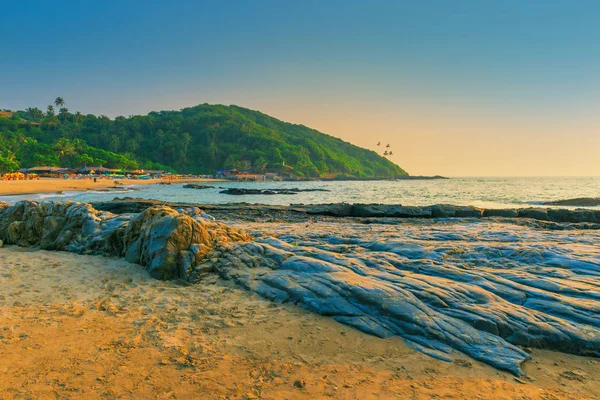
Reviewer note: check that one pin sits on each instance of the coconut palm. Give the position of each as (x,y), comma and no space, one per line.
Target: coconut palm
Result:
(63,113)
(59,102)
(378,144)
(34,113)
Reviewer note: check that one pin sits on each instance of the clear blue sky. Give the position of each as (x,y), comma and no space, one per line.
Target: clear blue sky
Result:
(518,80)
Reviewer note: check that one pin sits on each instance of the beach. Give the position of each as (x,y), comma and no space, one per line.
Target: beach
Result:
(296,302)
(54,185)
(77,326)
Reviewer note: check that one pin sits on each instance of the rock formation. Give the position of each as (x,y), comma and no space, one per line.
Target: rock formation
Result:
(169,243)
(483,288)
(272,191)
(578,202)
(196,186)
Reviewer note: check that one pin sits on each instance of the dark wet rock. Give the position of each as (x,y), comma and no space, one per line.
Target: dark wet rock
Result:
(368,210)
(450,211)
(196,186)
(503,213)
(270,191)
(125,205)
(576,216)
(266,192)
(578,202)
(389,211)
(241,210)
(169,243)
(333,209)
(534,213)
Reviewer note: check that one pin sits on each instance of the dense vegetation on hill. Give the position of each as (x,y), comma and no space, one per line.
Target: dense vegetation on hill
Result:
(198,139)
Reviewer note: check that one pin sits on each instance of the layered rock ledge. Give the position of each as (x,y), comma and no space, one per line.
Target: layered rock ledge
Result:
(481,287)
(346,210)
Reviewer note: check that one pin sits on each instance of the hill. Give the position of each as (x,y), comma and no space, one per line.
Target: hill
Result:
(198,139)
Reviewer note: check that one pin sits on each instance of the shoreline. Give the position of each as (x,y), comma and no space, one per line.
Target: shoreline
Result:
(55,185)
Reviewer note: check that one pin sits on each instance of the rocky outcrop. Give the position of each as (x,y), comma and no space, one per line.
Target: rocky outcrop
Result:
(387,210)
(273,191)
(445,211)
(578,202)
(591,216)
(169,243)
(483,288)
(196,186)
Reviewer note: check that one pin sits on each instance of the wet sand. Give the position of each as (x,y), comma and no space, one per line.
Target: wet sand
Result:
(75,326)
(53,185)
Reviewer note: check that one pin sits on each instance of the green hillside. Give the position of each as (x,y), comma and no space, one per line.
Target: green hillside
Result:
(198,139)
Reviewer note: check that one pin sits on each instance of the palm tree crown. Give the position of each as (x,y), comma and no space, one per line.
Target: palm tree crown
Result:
(59,102)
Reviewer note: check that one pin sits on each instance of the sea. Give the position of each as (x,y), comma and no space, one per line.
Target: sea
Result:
(497,192)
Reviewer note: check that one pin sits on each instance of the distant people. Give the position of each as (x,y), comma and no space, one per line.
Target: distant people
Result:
(95,179)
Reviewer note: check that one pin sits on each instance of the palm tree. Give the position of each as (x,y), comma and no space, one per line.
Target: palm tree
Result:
(391,153)
(378,144)
(385,153)
(63,113)
(50,111)
(387,146)
(34,113)
(59,102)
(66,149)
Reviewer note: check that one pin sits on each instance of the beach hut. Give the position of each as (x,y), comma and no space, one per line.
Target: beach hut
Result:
(44,171)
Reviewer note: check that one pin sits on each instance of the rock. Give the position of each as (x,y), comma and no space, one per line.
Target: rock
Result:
(506,213)
(578,202)
(450,211)
(534,213)
(388,210)
(441,211)
(269,191)
(124,205)
(170,244)
(299,383)
(440,289)
(368,210)
(128,205)
(468,212)
(196,186)
(334,209)
(574,216)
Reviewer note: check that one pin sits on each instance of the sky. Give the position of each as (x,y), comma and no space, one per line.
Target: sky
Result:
(457,88)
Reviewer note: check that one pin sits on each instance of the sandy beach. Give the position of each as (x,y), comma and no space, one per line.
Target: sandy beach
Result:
(76,326)
(53,185)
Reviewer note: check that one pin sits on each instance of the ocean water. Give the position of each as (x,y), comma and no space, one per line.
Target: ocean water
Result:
(481,192)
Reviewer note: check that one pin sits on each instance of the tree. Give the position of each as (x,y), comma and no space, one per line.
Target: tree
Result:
(63,114)
(66,150)
(8,163)
(59,102)
(260,164)
(186,140)
(35,113)
(50,112)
